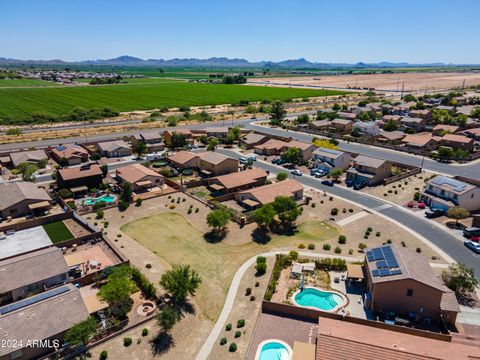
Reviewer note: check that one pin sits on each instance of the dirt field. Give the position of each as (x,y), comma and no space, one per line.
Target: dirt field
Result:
(412,81)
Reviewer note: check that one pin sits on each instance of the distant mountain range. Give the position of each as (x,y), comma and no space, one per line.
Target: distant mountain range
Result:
(216,62)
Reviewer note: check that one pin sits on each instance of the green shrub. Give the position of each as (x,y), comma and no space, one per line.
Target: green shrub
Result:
(228,327)
(123,205)
(252,298)
(145,332)
(281,262)
(223,341)
(261,259)
(146,287)
(257,284)
(342,239)
(138,202)
(313,205)
(301,246)
(334,212)
(389,241)
(419,250)
(197,210)
(326,247)
(104,355)
(261,268)
(362,246)
(377,233)
(189,211)
(311,246)
(232,347)
(240,323)
(171,207)
(100,214)
(338,250)
(248,291)
(328,264)
(127,341)
(369,229)
(148,266)
(350,251)
(404,244)
(238,334)
(65,193)
(350,210)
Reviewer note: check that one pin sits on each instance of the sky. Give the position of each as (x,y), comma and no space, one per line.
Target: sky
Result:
(415,31)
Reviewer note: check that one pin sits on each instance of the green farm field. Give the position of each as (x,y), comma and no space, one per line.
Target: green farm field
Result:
(8,83)
(20,103)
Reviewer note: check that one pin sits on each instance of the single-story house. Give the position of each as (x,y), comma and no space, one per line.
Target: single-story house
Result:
(218,132)
(75,154)
(213,164)
(346,115)
(184,160)
(139,176)
(167,134)
(367,127)
(330,158)
(321,125)
(368,170)
(266,194)
(423,113)
(472,133)
(270,147)
(22,198)
(31,156)
(237,181)
(112,149)
(80,178)
(425,141)
(391,137)
(442,129)
(252,139)
(457,141)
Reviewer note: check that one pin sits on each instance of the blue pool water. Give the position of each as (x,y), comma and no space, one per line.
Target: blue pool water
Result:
(274,351)
(322,300)
(106,198)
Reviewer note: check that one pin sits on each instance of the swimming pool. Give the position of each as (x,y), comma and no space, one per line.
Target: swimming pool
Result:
(273,350)
(105,198)
(319,299)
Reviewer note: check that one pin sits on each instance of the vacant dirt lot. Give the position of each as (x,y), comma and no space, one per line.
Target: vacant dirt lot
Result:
(412,81)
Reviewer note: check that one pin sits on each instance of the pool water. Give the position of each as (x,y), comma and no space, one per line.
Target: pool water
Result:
(322,300)
(274,351)
(106,198)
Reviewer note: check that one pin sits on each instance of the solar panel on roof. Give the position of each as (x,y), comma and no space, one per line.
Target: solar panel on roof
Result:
(331,151)
(61,147)
(458,186)
(34,299)
(384,272)
(375,273)
(381,264)
(395,272)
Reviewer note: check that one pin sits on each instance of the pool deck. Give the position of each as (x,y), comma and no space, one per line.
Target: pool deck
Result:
(284,328)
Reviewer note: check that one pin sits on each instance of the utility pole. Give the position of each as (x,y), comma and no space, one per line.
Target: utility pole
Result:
(403,88)
(463,86)
(85,130)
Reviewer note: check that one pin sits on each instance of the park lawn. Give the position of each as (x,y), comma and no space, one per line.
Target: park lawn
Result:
(177,241)
(58,232)
(4,83)
(21,103)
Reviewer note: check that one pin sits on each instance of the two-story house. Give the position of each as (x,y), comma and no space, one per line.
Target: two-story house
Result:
(368,171)
(330,158)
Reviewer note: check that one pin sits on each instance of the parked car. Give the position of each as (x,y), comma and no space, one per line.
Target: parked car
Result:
(475,247)
(471,231)
(349,183)
(433,213)
(320,174)
(297,172)
(252,157)
(358,186)
(327,182)
(242,160)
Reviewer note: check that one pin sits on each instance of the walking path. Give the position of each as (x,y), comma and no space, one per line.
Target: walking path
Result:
(352,218)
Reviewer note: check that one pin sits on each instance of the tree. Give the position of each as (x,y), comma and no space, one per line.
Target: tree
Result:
(235,133)
(390,126)
(140,148)
(460,279)
(282,176)
(277,113)
(65,193)
(28,171)
(212,144)
(126,192)
(445,152)
(292,155)
(287,210)
(302,119)
(178,140)
(167,318)
(82,332)
(63,162)
(104,169)
(409,98)
(336,173)
(180,282)
(218,219)
(119,285)
(457,213)
(264,216)
(336,107)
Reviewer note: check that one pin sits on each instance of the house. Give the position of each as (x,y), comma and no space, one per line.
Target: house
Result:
(22,198)
(391,137)
(237,181)
(458,142)
(330,158)
(402,281)
(212,163)
(368,171)
(167,134)
(140,177)
(443,192)
(423,113)
(320,125)
(390,118)
(74,154)
(472,133)
(424,141)
(42,317)
(152,140)
(346,115)
(218,132)
(251,140)
(32,157)
(442,129)
(370,128)
(343,126)
(112,149)
(305,148)
(266,194)
(417,124)
(81,178)
(270,147)
(184,160)
(31,273)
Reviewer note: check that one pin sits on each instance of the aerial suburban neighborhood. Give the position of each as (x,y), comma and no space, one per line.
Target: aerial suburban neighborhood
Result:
(218,208)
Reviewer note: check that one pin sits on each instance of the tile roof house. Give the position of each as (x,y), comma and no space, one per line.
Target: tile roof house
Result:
(415,123)
(343,126)
(440,129)
(139,176)
(86,176)
(167,134)
(391,137)
(425,141)
(402,281)
(346,115)
(305,148)
(22,198)
(218,132)
(112,149)
(329,158)
(31,273)
(423,113)
(32,156)
(237,181)
(367,127)
(320,125)
(266,194)
(184,159)
(368,171)
(212,163)
(152,140)
(458,141)
(443,192)
(75,154)
(270,147)
(472,133)
(251,140)
(44,316)
(390,118)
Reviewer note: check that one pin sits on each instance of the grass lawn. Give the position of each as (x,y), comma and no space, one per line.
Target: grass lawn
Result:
(177,241)
(20,103)
(26,83)
(58,232)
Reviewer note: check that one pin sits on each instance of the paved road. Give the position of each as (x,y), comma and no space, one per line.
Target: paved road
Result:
(424,227)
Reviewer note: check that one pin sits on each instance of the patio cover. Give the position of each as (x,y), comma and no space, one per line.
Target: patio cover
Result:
(144,183)
(39,205)
(355,271)
(303,351)
(79,189)
(251,203)
(206,172)
(216,187)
